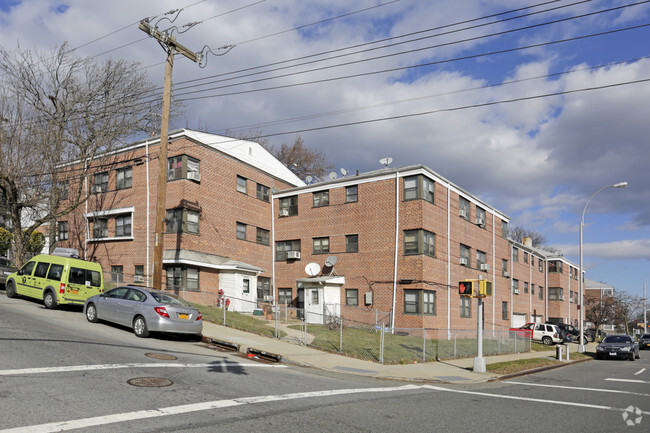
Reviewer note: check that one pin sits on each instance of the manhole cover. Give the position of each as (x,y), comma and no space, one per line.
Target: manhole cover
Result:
(150,382)
(163,356)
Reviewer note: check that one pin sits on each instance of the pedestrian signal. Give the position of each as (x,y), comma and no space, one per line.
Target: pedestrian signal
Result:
(485,288)
(465,288)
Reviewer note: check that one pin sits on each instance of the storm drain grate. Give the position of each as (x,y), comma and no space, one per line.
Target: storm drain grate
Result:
(162,356)
(150,382)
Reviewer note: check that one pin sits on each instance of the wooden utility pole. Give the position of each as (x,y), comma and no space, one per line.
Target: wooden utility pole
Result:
(168,42)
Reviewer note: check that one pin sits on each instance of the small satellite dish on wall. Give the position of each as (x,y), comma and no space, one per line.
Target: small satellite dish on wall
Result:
(386,161)
(330,261)
(312,269)
(333,175)
(344,172)
(308,179)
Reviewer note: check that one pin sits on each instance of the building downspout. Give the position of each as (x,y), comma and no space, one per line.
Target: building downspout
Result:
(273,245)
(494,274)
(149,270)
(86,207)
(396,251)
(449,260)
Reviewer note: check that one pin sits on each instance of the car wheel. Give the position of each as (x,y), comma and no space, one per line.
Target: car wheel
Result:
(10,290)
(91,313)
(599,357)
(49,300)
(140,327)
(638,355)
(547,340)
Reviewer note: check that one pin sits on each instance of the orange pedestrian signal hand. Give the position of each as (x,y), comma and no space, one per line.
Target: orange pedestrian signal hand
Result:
(465,288)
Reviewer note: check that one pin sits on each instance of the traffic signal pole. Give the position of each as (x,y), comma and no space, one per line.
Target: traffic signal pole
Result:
(479,361)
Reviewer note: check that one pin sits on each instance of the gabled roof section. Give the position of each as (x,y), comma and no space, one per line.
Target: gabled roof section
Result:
(591,284)
(195,258)
(248,152)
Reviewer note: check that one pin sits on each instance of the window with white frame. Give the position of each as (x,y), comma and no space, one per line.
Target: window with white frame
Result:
(321,198)
(283,248)
(123,225)
(481,259)
(465,255)
(465,306)
(241,184)
(289,206)
(351,194)
(352,297)
(241,231)
(262,192)
(480,216)
(463,205)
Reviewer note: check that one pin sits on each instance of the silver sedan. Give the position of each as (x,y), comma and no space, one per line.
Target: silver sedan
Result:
(144,310)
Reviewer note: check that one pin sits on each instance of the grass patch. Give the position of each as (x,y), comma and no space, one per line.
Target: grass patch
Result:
(245,322)
(509,367)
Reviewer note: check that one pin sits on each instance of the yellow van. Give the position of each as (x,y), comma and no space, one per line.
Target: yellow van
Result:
(56,280)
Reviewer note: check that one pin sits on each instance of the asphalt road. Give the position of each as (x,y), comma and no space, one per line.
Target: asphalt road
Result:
(58,372)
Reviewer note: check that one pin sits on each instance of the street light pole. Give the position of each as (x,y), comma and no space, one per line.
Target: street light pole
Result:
(581,346)
(645,307)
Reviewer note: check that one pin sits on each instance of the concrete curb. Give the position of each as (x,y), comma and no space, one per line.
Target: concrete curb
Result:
(538,370)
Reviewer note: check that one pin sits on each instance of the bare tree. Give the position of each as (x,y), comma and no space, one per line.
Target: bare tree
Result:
(519,233)
(55,109)
(600,310)
(626,308)
(300,159)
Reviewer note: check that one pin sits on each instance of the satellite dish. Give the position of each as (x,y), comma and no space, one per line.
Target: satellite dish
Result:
(386,161)
(333,175)
(312,269)
(344,172)
(331,261)
(309,179)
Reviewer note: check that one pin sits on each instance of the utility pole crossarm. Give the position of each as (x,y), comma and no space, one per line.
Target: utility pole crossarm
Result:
(169,41)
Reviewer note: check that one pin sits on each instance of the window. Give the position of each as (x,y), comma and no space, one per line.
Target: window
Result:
(62,231)
(525,257)
(525,287)
(515,254)
(463,208)
(314,297)
(555,266)
(285,296)
(465,259)
(241,184)
(419,187)
(540,265)
(182,221)
(41,269)
(351,243)
(263,192)
(541,292)
(63,190)
(123,225)
(321,198)
(504,229)
(117,274)
(182,278)
(289,206)
(264,287)
(480,216)
(352,297)
(262,236)
(55,272)
(419,302)
(183,167)
(246,285)
(351,194)
(532,261)
(321,245)
(138,275)
(465,306)
(532,289)
(515,286)
(481,259)
(241,231)
(504,267)
(504,311)
(283,247)
(419,242)
(555,294)
(429,302)
(124,178)
(100,228)
(100,182)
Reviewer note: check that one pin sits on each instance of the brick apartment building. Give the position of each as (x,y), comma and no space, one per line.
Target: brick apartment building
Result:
(396,240)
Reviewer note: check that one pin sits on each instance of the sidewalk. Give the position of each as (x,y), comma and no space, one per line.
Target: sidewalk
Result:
(449,371)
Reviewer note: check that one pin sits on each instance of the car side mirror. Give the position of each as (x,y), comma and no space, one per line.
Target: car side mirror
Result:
(20,272)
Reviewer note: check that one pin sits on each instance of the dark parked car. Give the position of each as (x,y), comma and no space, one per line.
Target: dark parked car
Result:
(6,268)
(594,333)
(618,346)
(144,310)
(569,333)
(644,341)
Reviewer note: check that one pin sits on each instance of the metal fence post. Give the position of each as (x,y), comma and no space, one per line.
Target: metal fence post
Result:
(455,348)
(224,314)
(424,345)
(341,335)
(381,344)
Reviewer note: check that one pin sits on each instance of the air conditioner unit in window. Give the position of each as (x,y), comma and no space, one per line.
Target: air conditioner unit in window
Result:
(480,222)
(463,213)
(506,274)
(268,298)
(194,175)
(284,212)
(464,261)
(485,267)
(98,189)
(293,255)
(561,297)
(516,291)
(138,279)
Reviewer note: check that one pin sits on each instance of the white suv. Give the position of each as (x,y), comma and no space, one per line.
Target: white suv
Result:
(544,332)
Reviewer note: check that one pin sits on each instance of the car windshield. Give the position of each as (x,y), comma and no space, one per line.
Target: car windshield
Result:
(617,339)
(170,299)
(645,336)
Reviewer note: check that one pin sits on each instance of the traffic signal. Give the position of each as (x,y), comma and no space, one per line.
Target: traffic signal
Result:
(465,288)
(485,288)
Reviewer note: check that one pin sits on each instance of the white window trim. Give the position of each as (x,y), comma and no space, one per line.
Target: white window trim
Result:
(107,213)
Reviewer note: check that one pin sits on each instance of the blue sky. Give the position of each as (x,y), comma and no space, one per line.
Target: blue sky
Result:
(564,118)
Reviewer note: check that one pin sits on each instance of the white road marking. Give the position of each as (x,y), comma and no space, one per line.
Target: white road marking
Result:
(536,400)
(639,372)
(69,368)
(627,380)
(578,388)
(175,410)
